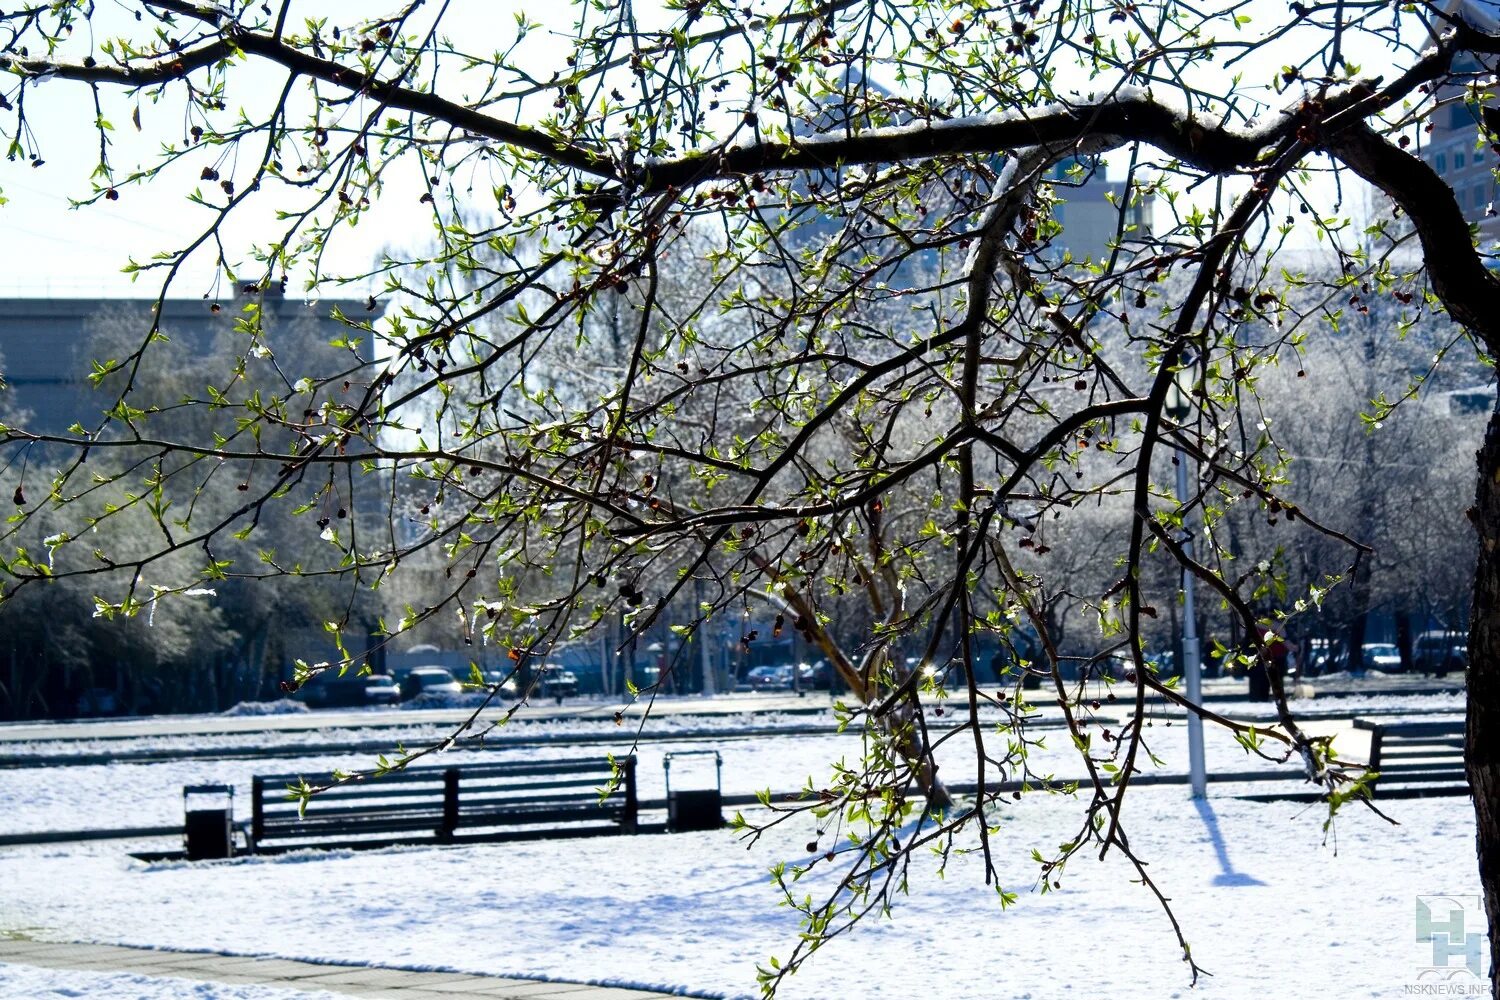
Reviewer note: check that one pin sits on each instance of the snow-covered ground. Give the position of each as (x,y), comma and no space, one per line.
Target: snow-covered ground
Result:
(25,982)
(1270,908)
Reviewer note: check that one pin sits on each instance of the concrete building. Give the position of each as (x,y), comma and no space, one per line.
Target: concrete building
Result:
(1092,211)
(48,346)
(1457,152)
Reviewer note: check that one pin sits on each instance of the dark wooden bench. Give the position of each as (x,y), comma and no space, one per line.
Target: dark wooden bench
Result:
(463,803)
(1418,758)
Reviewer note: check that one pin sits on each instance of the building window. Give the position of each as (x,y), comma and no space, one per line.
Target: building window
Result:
(1442,163)
(1458,159)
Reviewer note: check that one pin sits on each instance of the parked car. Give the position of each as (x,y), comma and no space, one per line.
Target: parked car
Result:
(816,676)
(1440,653)
(1115,665)
(771,678)
(429,680)
(1382,656)
(98,701)
(753,673)
(379,689)
(502,679)
(342,692)
(1313,657)
(557,681)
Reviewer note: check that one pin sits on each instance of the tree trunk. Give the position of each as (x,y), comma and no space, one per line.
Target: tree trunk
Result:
(1362,586)
(1404,640)
(1482,749)
(1356,639)
(859,678)
(266,685)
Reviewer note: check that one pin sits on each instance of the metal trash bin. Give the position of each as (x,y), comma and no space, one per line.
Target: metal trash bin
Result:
(697,808)
(208,821)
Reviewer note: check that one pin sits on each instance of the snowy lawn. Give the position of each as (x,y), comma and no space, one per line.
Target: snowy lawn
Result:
(1269,909)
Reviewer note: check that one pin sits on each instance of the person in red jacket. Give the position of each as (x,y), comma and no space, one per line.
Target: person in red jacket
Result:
(1272,659)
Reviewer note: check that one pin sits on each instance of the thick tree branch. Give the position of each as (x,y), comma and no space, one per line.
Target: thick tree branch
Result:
(1467,288)
(304,63)
(146,74)
(1129,116)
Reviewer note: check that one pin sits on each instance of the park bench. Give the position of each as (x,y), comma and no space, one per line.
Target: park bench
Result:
(464,803)
(1417,758)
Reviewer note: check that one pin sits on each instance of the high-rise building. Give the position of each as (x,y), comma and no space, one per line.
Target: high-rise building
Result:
(1091,210)
(1462,157)
(1456,148)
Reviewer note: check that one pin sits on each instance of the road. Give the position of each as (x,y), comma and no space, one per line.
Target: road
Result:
(382,718)
(584,708)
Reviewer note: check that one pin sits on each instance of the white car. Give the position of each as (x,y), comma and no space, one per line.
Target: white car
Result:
(1382,656)
(429,680)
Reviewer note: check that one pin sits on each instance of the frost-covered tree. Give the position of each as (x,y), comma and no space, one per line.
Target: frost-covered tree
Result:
(766,435)
(1394,472)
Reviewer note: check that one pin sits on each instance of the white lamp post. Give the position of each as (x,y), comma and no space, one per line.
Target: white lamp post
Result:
(1177,408)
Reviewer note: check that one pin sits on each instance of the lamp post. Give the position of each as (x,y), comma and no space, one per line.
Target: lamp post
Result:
(705,648)
(1177,408)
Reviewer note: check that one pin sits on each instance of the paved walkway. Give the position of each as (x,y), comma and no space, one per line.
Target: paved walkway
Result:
(353,980)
